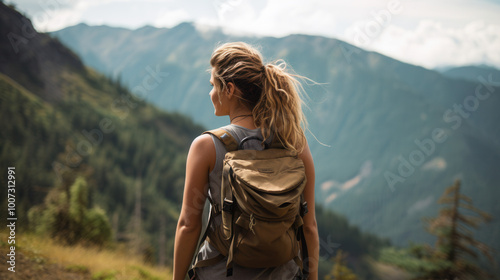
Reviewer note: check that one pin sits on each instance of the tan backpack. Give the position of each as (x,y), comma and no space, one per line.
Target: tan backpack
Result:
(262,206)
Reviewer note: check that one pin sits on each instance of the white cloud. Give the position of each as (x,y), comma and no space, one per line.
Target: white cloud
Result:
(275,17)
(453,13)
(52,15)
(431,44)
(172,18)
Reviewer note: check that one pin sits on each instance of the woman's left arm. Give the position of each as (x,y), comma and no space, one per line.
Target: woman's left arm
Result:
(200,161)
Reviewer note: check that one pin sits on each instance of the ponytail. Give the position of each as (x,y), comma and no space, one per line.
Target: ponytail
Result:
(269,91)
(279,111)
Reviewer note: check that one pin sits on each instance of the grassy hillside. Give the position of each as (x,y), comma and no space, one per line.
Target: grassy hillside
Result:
(44,259)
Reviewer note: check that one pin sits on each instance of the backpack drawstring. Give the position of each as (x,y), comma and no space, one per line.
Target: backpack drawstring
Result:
(252,223)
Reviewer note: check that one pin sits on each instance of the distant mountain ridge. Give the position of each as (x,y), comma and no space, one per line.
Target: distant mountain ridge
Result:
(471,72)
(397,134)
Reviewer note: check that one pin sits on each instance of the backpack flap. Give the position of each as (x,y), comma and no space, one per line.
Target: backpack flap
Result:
(274,179)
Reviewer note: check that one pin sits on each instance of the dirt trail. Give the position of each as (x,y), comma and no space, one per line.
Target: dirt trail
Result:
(34,267)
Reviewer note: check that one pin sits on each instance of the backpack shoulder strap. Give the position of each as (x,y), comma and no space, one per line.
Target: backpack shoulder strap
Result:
(200,263)
(225,137)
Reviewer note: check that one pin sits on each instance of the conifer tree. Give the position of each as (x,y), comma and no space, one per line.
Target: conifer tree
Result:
(340,271)
(456,247)
(68,218)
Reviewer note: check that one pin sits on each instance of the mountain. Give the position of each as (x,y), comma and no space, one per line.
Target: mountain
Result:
(471,72)
(61,119)
(396,135)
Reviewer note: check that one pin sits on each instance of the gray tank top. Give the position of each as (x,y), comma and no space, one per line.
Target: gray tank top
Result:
(207,251)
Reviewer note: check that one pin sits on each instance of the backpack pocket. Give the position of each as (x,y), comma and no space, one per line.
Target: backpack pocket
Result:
(264,244)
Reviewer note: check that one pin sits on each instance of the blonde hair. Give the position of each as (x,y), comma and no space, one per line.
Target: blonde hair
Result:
(268,90)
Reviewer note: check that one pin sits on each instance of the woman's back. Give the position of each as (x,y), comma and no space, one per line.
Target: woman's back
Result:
(208,251)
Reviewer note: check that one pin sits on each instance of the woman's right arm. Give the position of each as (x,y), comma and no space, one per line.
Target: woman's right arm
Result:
(200,161)
(310,226)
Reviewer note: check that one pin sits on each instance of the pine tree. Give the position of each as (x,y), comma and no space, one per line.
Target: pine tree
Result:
(68,218)
(456,248)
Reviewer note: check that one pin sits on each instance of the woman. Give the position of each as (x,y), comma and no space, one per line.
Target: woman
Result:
(261,100)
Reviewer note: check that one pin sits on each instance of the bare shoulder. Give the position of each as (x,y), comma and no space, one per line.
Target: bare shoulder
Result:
(203,141)
(203,149)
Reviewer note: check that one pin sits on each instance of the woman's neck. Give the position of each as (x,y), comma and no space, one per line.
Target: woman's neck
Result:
(244,119)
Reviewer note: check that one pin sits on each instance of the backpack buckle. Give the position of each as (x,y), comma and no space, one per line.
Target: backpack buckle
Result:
(215,209)
(224,137)
(303,209)
(228,205)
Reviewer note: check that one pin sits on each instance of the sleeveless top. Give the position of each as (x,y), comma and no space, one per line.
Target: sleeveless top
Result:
(207,251)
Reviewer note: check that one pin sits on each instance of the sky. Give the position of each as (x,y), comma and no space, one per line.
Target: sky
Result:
(429,33)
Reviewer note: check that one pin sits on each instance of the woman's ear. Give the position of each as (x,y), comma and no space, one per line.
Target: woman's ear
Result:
(230,90)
